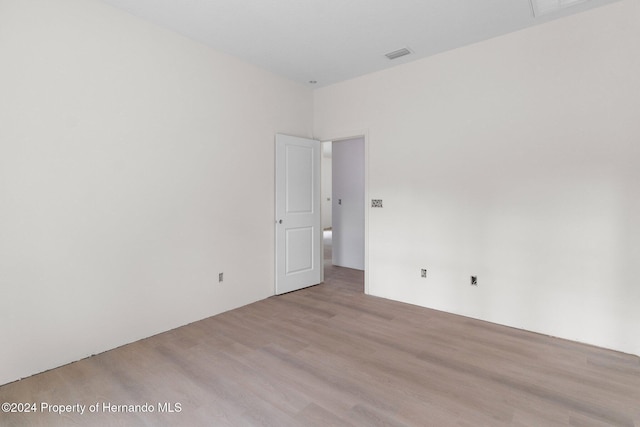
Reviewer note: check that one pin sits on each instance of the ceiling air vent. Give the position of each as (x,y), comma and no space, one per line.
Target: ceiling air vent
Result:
(398,53)
(545,7)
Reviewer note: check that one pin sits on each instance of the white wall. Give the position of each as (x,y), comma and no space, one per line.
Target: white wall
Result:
(348,203)
(517,160)
(135,165)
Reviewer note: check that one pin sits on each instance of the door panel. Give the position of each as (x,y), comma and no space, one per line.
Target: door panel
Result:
(299,250)
(298,221)
(299,162)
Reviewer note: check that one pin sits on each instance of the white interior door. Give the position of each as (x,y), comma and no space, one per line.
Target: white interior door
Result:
(298,220)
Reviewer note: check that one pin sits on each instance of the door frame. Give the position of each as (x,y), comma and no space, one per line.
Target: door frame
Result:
(342,136)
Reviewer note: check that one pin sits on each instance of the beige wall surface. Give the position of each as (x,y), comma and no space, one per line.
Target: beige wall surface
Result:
(135,165)
(517,160)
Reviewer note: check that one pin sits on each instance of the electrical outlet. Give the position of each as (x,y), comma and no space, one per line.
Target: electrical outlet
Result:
(220,277)
(423,272)
(474,280)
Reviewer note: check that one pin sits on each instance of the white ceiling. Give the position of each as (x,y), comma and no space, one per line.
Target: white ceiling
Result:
(333,40)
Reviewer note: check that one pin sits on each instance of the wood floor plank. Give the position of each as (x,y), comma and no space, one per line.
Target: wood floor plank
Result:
(331,356)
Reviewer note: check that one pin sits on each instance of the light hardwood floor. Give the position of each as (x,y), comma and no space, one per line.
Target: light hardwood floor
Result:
(331,356)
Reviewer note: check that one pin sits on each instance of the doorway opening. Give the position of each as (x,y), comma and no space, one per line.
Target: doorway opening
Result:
(343,211)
